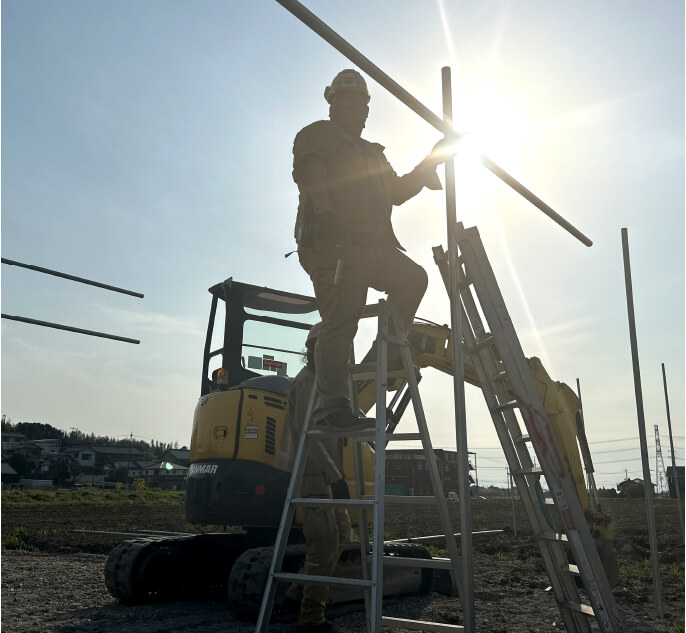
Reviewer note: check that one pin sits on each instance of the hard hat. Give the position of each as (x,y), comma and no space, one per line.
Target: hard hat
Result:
(314,332)
(347,80)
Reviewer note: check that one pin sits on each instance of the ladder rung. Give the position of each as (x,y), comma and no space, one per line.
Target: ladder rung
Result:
(398,499)
(390,437)
(401,561)
(523,439)
(484,343)
(506,406)
(572,569)
(555,537)
(367,371)
(420,625)
(580,608)
(549,501)
(396,340)
(501,375)
(363,434)
(321,431)
(534,470)
(327,580)
(337,503)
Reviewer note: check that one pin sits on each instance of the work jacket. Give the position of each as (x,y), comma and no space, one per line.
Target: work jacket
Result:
(361,185)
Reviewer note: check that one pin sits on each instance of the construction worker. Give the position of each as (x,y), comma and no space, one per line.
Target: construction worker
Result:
(326,530)
(343,229)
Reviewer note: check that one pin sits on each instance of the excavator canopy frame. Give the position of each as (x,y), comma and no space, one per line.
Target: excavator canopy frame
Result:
(238,298)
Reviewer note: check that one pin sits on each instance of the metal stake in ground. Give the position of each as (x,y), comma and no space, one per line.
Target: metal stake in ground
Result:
(467,597)
(642,426)
(327,33)
(671,450)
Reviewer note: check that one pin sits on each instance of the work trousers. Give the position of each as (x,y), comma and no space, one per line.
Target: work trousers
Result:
(327,531)
(384,268)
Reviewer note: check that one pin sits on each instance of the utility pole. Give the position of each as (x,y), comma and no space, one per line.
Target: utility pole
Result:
(659,463)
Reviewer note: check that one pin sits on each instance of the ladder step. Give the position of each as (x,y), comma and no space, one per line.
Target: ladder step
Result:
(390,437)
(523,439)
(420,625)
(489,341)
(400,500)
(367,371)
(396,340)
(572,569)
(534,470)
(556,537)
(326,580)
(506,406)
(579,608)
(363,434)
(401,561)
(501,375)
(322,431)
(336,503)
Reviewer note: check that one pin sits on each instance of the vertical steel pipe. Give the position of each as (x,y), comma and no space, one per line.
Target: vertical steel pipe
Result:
(467,597)
(657,582)
(671,450)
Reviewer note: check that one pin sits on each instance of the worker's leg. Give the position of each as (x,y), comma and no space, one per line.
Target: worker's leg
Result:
(402,279)
(340,306)
(321,535)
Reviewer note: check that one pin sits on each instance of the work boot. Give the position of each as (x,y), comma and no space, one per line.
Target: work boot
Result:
(346,419)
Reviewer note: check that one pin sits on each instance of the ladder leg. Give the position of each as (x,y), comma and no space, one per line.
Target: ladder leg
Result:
(286,520)
(430,456)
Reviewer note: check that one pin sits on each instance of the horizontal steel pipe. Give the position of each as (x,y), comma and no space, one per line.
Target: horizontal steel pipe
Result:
(341,45)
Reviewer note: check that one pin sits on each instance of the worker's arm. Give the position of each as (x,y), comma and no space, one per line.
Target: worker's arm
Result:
(423,175)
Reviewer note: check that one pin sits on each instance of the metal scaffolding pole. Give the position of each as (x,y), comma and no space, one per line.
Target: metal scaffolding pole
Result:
(657,583)
(671,450)
(467,595)
(341,45)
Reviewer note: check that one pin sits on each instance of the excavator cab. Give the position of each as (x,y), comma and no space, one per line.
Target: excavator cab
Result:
(237,475)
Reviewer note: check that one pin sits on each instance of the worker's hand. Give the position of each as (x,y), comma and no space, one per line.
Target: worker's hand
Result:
(340,490)
(444,150)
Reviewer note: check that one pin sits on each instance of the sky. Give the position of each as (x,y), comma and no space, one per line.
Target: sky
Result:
(149,146)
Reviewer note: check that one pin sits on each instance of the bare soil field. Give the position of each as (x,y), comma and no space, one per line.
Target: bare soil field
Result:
(52,575)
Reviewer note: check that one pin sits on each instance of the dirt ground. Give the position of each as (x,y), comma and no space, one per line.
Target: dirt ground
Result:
(52,579)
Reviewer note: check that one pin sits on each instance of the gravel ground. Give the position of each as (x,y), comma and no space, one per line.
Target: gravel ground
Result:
(65,593)
(60,588)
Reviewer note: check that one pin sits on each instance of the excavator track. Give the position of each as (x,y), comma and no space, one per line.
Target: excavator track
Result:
(162,568)
(248,578)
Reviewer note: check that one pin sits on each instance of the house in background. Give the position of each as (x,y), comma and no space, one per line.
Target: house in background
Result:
(632,488)
(178,456)
(11,439)
(160,474)
(406,472)
(85,457)
(10,477)
(675,479)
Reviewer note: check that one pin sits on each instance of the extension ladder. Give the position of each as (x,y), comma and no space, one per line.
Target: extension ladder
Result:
(508,387)
(371,550)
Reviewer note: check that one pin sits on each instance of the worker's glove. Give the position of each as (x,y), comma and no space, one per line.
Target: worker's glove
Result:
(444,150)
(340,490)
(426,170)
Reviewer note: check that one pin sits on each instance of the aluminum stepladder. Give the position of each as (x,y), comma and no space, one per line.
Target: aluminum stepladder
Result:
(372,581)
(508,386)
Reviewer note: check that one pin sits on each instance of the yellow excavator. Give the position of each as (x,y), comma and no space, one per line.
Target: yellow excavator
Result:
(240,468)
